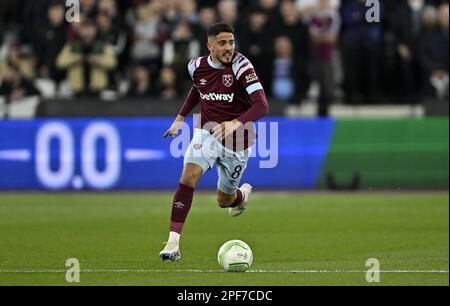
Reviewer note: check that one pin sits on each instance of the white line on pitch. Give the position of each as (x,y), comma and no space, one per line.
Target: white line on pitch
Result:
(219,271)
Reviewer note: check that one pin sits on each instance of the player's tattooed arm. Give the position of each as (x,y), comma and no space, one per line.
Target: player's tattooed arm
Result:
(175,127)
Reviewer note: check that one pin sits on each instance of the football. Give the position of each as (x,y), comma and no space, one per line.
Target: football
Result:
(235,256)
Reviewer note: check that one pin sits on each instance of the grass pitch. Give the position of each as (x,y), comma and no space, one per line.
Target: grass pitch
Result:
(296,238)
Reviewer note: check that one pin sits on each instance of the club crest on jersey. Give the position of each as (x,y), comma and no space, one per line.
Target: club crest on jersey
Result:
(197,146)
(227,80)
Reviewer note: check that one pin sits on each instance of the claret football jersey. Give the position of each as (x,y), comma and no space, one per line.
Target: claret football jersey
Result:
(224,90)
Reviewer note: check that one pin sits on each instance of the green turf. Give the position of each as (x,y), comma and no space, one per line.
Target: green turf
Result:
(109,233)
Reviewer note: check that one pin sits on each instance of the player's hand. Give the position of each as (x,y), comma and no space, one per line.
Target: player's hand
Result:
(223,130)
(175,127)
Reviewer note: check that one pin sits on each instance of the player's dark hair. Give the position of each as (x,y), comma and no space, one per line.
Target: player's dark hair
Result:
(219,27)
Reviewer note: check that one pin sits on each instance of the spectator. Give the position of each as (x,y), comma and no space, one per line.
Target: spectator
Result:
(227,12)
(324,22)
(141,85)
(407,21)
(188,11)
(361,47)
(207,16)
(170,16)
(50,43)
(34,15)
(88,11)
(111,34)
(89,8)
(270,7)
(109,8)
(284,70)
(112,29)
(74,29)
(257,45)
(88,61)
(148,36)
(292,26)
(110,24)
(168,33)
(179,50)
(167,86)
(22,57)
(434,56)
(14,86)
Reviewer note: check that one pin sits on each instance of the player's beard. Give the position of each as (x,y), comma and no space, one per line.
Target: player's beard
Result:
(227,58)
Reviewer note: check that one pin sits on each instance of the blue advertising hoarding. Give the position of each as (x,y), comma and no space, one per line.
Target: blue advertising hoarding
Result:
(131,154)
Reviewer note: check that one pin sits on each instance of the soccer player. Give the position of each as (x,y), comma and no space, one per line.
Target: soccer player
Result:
(231,98)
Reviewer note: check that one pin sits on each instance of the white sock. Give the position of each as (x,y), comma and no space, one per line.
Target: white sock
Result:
(174,236)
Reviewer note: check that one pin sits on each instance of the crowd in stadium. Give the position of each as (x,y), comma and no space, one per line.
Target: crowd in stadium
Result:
(140,48)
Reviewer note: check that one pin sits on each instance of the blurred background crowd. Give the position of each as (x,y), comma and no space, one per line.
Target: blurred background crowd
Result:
(139,49)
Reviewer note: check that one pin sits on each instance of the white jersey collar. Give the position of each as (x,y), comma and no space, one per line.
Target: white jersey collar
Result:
(212,64)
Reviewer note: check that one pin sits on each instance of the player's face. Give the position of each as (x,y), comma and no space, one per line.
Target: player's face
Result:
(222,47)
